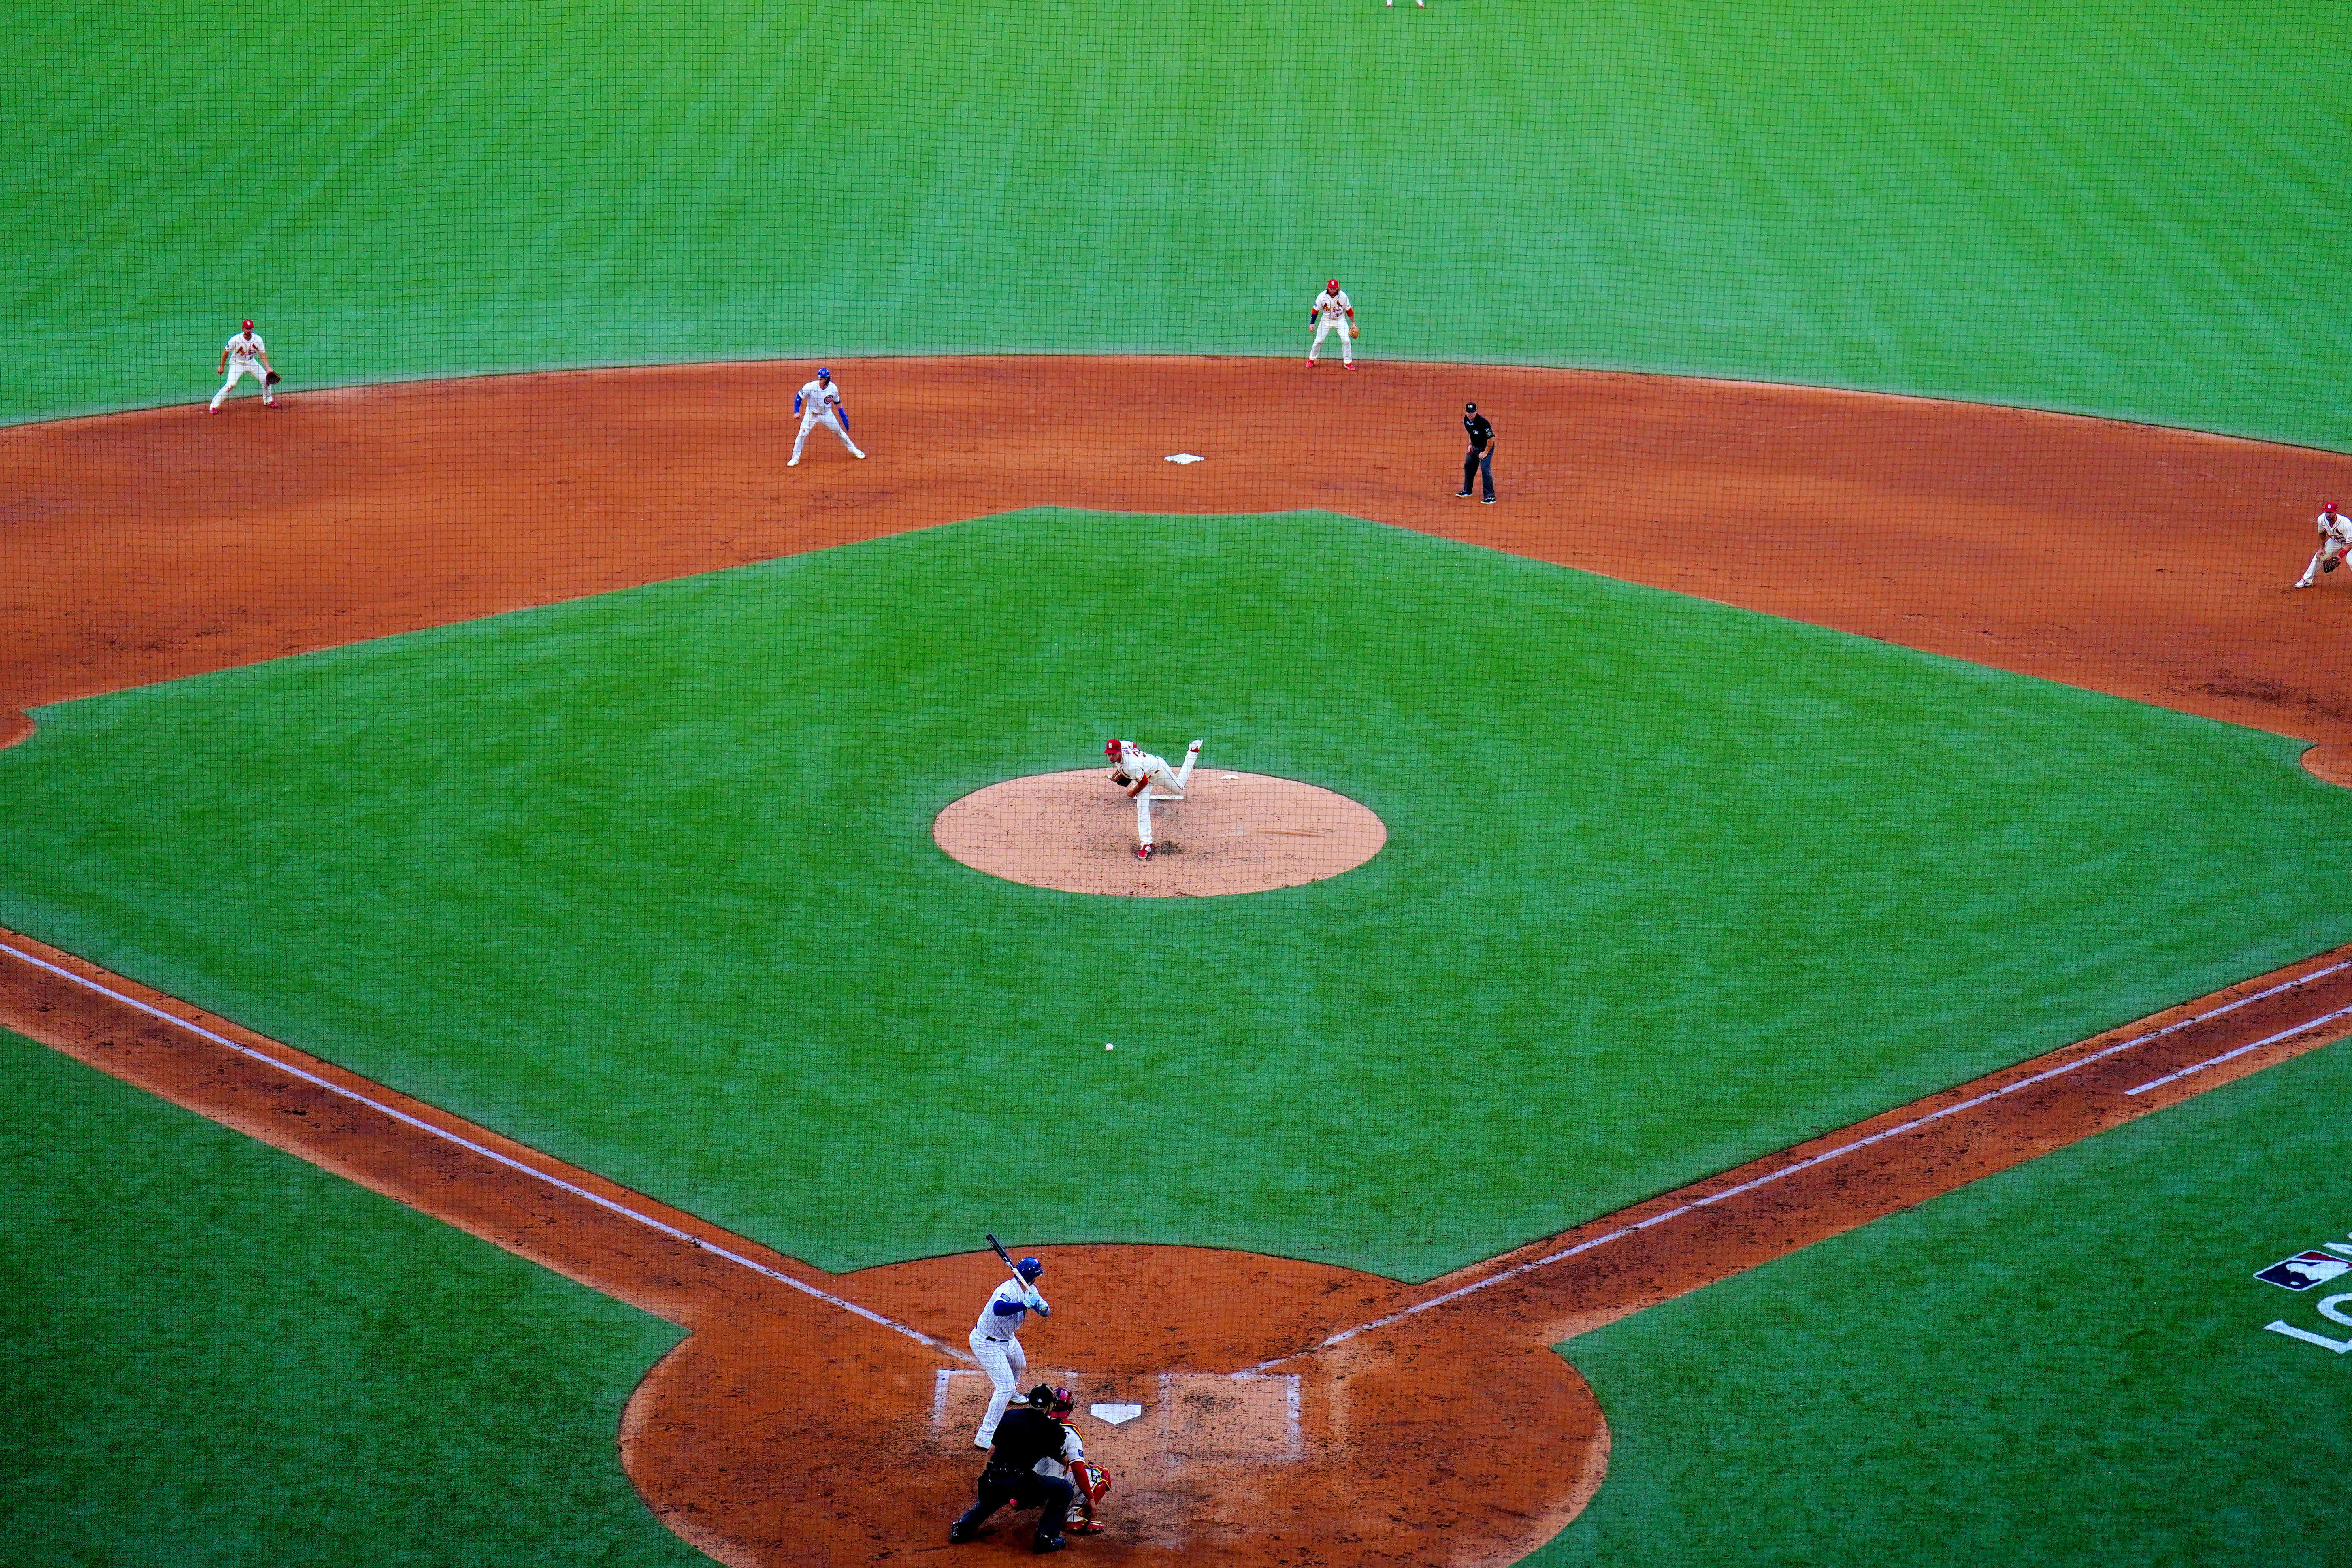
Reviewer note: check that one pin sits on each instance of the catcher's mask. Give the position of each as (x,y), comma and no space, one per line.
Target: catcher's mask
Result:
(1029,1268)
(1051,1400)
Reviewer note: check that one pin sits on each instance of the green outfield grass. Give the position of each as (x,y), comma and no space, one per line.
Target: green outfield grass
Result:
(2124,206)
(646,880)
(2061,1364)
(217,1356)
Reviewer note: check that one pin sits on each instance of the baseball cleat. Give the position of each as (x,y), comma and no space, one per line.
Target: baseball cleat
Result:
(1143,851)
(1489,500)
(1463,494)
(1048,1543)
(859,456)
(1084,1527)
(794,464)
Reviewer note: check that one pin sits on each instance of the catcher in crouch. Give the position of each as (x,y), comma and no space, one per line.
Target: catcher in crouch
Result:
(1088,1481)
(1135,770)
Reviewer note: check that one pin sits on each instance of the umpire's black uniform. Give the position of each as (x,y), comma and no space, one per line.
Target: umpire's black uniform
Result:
(1026,1436)
(1479,463)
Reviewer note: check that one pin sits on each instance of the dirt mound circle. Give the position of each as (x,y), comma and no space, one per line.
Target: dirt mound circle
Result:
(1436,1441)
(1231,833)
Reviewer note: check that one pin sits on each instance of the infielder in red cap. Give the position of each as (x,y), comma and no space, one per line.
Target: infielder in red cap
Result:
(2335,542)
(1331,312)
(238,357)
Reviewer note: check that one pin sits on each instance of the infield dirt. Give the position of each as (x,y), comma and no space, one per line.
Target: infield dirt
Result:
(2145,563)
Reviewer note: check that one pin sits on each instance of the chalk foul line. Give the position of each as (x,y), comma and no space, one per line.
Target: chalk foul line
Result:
(508,1161)
(1518,1270)
(1458,1293)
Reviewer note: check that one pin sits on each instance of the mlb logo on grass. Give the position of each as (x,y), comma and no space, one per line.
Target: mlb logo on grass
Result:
(2303,1271)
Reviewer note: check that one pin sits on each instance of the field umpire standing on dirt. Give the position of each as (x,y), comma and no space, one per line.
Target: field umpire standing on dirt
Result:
(1479,463)
(1027,1435)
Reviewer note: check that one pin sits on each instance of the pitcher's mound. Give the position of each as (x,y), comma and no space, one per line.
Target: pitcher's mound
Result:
(1231,833)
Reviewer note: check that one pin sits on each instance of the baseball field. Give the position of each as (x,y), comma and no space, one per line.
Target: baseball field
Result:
(1829,1059)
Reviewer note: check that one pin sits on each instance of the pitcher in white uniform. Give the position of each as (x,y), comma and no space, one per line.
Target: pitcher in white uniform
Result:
(238,359)
(820,401)
(1135,771)
(996,1341)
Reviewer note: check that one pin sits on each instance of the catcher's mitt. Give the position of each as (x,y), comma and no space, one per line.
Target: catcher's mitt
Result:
(271,380)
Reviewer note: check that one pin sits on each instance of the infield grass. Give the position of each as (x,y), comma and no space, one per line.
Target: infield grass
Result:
(2128,208)
(2064,1364)
(646,880)
(217,1356)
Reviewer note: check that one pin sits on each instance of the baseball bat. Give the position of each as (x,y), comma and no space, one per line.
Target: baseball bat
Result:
(1009,1269)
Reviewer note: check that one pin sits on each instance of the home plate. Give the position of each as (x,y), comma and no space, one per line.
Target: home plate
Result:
(1246,1417)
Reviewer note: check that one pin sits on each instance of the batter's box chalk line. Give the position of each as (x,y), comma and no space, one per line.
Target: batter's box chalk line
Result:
(1244,1415)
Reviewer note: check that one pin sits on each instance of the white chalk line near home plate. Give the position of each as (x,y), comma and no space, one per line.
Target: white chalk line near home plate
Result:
(1173,1388)
(648,1221)
(1858,1144)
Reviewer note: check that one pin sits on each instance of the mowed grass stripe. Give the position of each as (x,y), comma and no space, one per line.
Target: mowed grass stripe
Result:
(2111,208)
(646,880)
(218,1355)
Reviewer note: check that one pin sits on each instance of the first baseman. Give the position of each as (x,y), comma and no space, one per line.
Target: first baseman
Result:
(2335,543)
(1331,312)
(238,357)
(820,400)
(1135,770)
(996,1341)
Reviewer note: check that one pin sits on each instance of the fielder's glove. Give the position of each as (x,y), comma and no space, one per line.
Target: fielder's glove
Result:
(2332,565)
(1122,780)
(1353,330)
(269,380)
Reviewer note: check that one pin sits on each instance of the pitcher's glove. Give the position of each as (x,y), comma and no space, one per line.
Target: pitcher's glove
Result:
(270,379)
(1121,779)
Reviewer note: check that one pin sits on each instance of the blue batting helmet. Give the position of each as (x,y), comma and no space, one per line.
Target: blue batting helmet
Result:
(823,371)
(1029,1268)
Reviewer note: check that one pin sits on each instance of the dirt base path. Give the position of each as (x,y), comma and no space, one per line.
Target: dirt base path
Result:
(2152,563)
(1288,1411)
(170,542)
